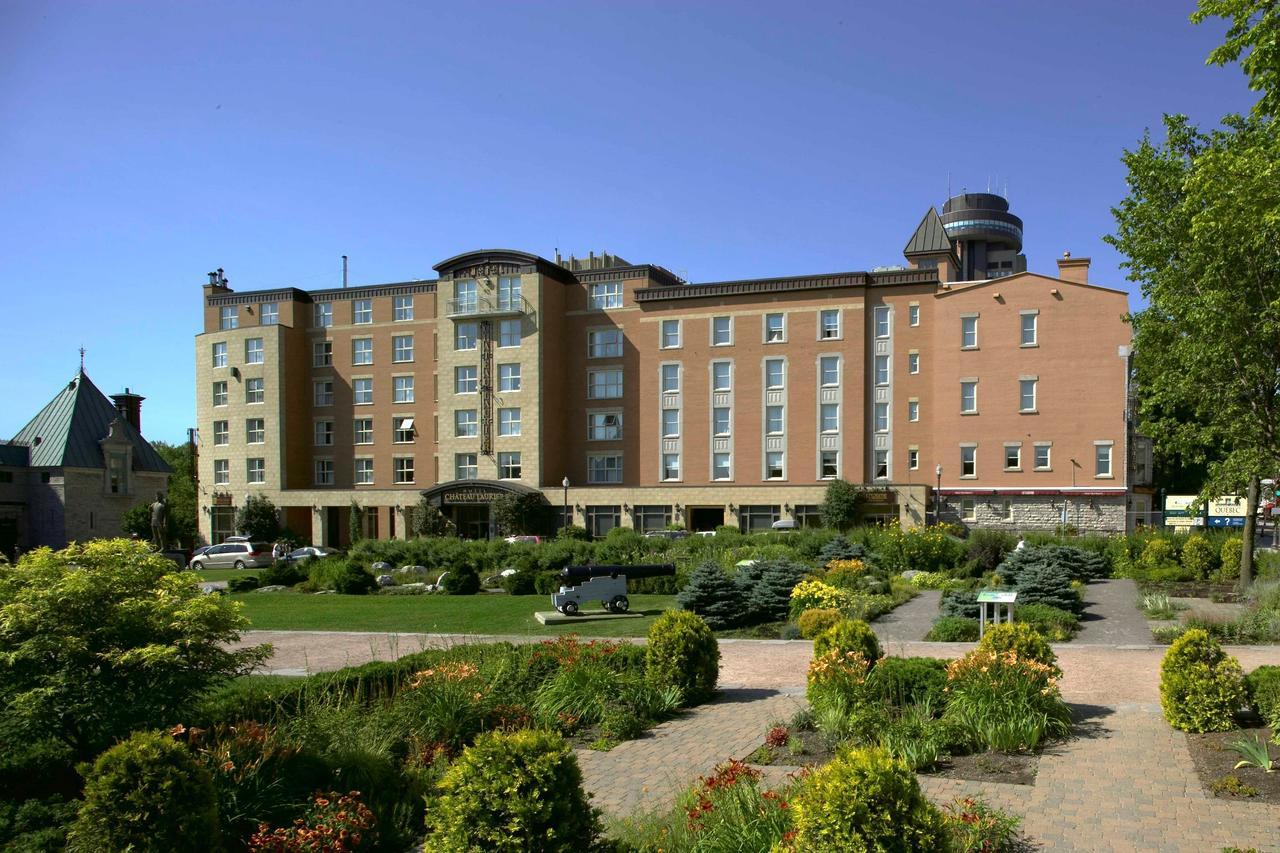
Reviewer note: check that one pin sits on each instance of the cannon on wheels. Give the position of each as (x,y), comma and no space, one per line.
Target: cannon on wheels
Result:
(605,584)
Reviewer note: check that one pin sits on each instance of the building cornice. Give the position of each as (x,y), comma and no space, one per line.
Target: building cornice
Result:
(791,284)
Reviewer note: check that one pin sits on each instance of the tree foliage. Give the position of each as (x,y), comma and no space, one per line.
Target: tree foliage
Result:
(258,520)
(713,595)
(521,514)
(841,505)
(1255,29)
(430,521)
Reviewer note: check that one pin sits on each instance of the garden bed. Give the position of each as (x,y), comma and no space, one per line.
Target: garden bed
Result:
(1215,763)
(1012,768)
(804,748)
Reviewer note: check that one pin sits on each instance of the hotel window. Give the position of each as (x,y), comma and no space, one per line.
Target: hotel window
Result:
(604,426)
(402,348)
(509,422)
(913,411)
(604,469)
(1029,330)
(508,377)
(322,392)
(362,351)
(671,466)
(720,467)
(509,293)
(602,519)
(465,335)
(882,417)
(323,433)
(509,333)
(221,433)
(364,472)
(1006,510)
(1013,457)
(402,309)
(720,424)
(362,312)
(969,397)
(721,331)
(255,431)
(256,470)
(913,315)
(220,354)
(774,373)
(829,464)
(253,353)
(773,465)
(606,294)
(402,469)
(829,324)
(268,314)
(882,370)
(913,362)
(221,472)
(968,461)
(324,472)
(913,459)
(670,423)
(670,378)
(362,430)
(650,518)
(1026,395)
(466,423)
(756,519)
(882,465)
(228,318)
(464,297)
(882,321)
(509,465)
(465,467)
(402,430)
(670,335)
(829,414)
(968,332)
(721,375)
(322,354)
(604,384)
(604,343)
(968,509)
(255,390)
(775,328)
(773,422)
(361,392)
(466,380)
(322,315)
(1102,460)
(829,367)
(1042,458)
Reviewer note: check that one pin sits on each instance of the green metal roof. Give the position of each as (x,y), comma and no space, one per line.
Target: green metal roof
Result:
(67,431)
(930,236)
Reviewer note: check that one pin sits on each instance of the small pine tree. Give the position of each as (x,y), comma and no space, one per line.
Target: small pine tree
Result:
(839,548)
(841,505)
(355,525)
(713,595)
(1046,582)
(769,598)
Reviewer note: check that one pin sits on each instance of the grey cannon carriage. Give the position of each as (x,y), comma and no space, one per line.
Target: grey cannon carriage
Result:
(605,584)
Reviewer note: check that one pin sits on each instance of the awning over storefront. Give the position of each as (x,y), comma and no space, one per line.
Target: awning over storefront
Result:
(475,492)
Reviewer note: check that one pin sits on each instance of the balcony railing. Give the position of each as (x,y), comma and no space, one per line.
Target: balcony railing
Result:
(489,306)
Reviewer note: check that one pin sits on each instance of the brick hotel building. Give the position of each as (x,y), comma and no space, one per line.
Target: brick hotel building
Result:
(662,401)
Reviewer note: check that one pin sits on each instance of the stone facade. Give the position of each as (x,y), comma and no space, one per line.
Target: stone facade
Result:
(1087,514)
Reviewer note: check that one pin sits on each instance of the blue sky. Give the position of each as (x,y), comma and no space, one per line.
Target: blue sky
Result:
(144,144)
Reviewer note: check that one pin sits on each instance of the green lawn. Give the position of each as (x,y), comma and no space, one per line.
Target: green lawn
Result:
(228,574)
(446,614)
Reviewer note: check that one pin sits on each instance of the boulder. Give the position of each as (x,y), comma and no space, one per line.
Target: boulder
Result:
(275,587)
(386,580)
(380,567)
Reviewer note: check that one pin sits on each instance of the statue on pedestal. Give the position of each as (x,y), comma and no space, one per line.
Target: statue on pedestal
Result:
(159,522)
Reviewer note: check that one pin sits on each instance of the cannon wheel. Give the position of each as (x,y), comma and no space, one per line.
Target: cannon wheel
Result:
(569,608)
(619,604)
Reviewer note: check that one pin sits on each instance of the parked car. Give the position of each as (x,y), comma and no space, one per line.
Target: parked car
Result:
(308,552)
(531,540)
(667,534)
(237,555)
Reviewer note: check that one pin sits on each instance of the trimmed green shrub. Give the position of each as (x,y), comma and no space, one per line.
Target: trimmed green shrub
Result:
(36,825)
(849,635)
(1200,685)
(145,793)
(1158,555)
(1053,623)
(354,580)
(817,620)
(1199,557)
(865,800)
(281,573)
(462,580)
(713,595)
(682,652)
(953,629)
(1021,639)
(513,792)
(520,583)
(1262,690)
(908,681)
(1230,560)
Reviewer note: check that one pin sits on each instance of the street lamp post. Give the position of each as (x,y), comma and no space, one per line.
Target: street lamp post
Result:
(937,495)
(564,519)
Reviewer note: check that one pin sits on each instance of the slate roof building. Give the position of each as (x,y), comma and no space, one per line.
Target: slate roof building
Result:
(75,468)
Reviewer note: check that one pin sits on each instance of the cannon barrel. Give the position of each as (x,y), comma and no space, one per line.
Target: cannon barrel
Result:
(651,570)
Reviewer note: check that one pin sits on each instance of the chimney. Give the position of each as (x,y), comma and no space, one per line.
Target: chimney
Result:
(1073,269)
(129,407)
(218,283)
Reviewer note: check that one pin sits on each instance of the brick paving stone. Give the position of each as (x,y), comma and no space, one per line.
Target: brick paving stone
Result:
(911,621)
(1112,616)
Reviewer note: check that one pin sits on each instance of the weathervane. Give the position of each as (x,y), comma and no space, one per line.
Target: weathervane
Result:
(82,359)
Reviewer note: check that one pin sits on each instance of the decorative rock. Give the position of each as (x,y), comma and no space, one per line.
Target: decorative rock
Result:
(910,573)
(275,587)
(381,566)
(386,580)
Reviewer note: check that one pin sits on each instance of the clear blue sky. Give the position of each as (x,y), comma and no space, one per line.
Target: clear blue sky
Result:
(144,144)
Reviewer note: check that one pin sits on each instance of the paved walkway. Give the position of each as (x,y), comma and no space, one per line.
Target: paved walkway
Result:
(911,621)
(1112,616)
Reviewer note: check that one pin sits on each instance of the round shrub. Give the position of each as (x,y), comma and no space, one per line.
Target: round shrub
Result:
(817,620)
(354,580)
(849,635)
(462,580)
(513,792)
(865,800)
(682,652)
(1053,623)
(1021,639)
(520,583)
(1200,685)
(1199,557)
(145,793)
(1262,689)
(953,629)
(1230,569)
(909,681)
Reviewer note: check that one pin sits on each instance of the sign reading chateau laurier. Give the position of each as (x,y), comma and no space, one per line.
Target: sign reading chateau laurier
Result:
(471,495)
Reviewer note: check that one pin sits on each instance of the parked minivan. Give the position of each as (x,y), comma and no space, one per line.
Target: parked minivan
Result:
(237,555)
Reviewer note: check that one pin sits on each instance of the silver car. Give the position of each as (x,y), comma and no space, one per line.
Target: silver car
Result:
(234,555)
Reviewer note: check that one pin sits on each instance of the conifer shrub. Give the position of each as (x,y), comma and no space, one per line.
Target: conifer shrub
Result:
(849,635)
(1200,685)
(817,620)
(1041,579)
(462,579)
(1230,560)
(1199,557)
(512,793)
(1262,691)
(908,681)
(840,548)
(1021,639)
(713,595)
(768,588)
(953,629)
(682,652)
(960,604)
(146,793)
